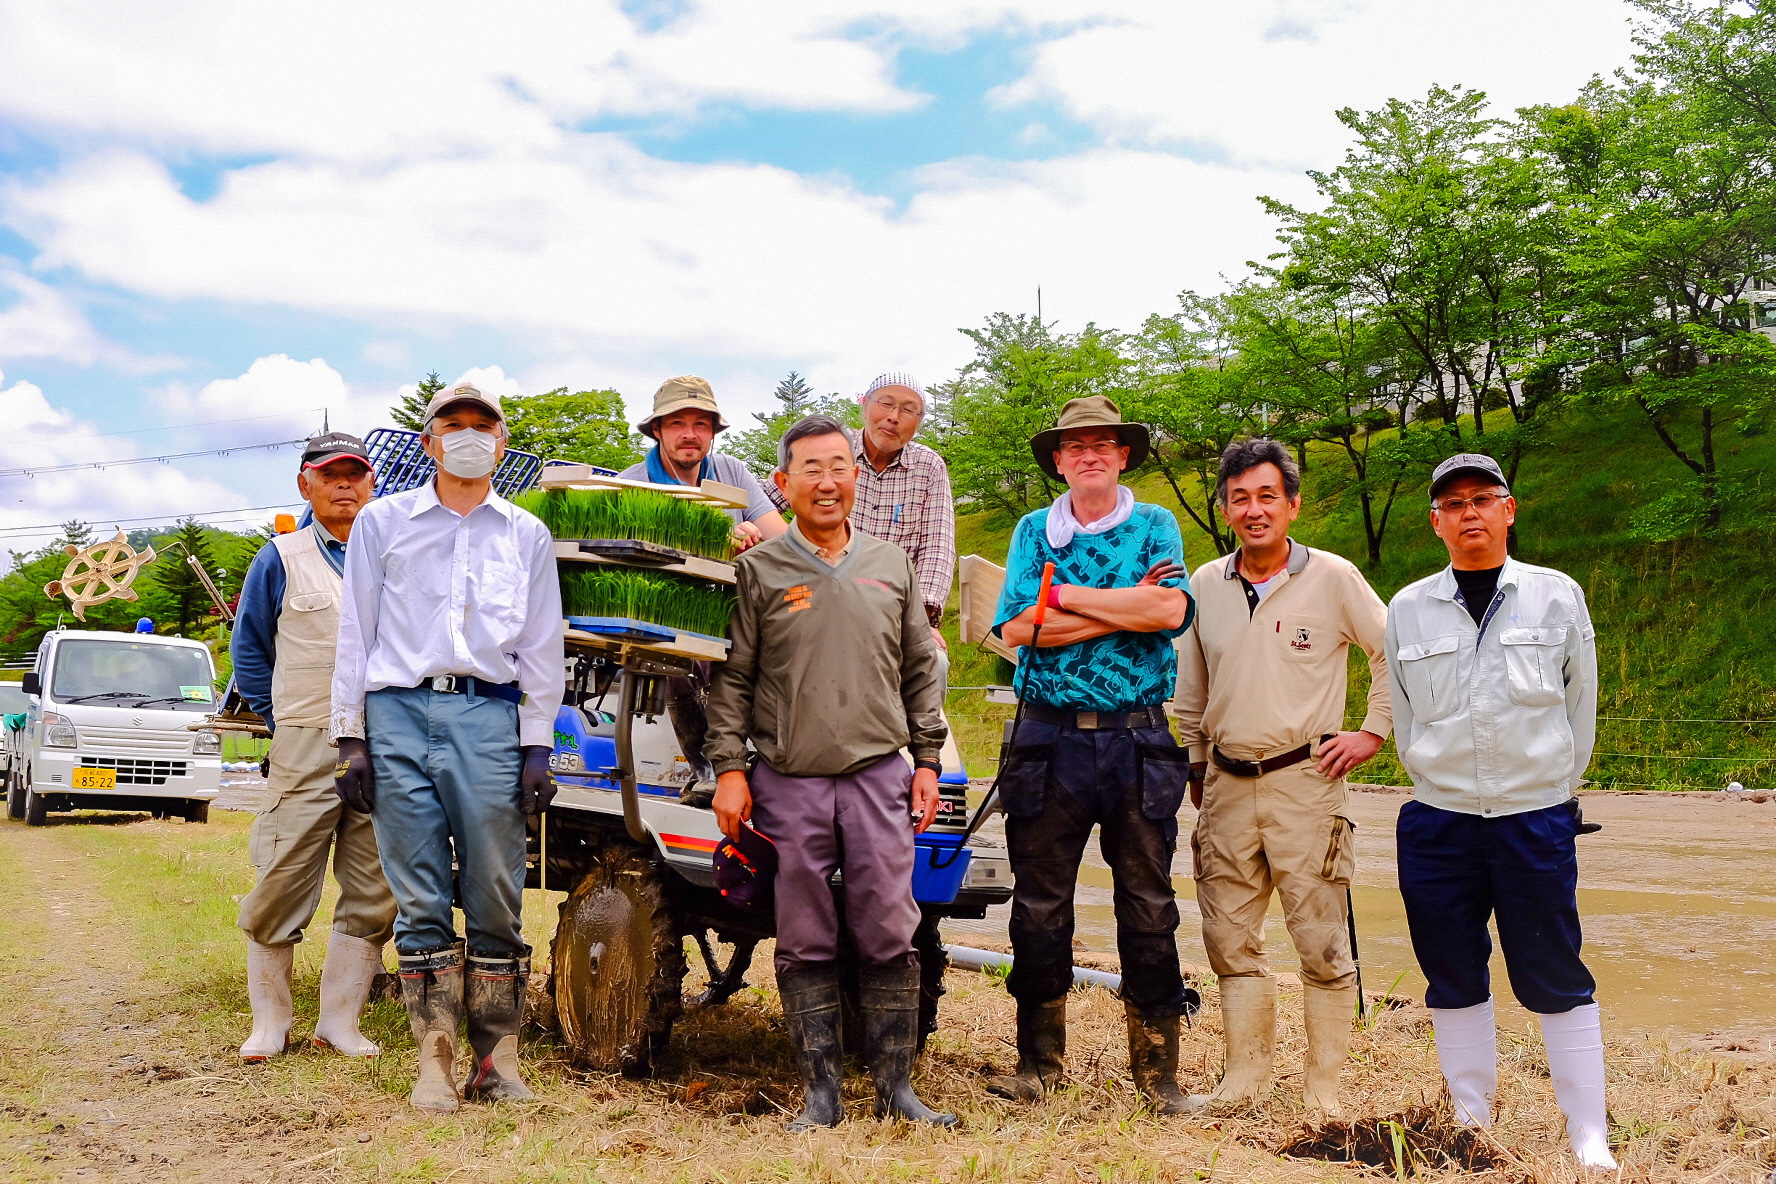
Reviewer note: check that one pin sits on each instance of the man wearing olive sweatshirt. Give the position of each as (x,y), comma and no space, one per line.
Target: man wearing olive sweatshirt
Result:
(832,673)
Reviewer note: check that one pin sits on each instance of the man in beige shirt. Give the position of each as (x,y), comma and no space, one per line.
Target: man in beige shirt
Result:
(1260,705)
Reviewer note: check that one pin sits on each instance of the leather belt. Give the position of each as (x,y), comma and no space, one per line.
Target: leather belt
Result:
(468,684)
(1259,768)
(1096,721)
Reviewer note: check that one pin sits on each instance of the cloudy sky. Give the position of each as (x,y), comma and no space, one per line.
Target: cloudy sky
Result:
(217,219)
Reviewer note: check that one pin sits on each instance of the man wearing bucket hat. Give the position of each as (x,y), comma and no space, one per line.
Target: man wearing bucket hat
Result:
(1094,747)
(1494,666)
(445,688)
(284,638)
(683,427)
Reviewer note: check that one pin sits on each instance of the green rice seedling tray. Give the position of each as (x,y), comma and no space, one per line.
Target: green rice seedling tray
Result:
(634,513)
(665,599)
(695,566)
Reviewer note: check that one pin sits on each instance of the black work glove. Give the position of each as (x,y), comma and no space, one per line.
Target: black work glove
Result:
(536,785)
(351,777)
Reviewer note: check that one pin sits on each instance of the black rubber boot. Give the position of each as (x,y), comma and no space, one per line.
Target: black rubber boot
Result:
(890,999)
(432,989)
(495,1004)
(811,1009)
(1042,1052)
(1153,1061)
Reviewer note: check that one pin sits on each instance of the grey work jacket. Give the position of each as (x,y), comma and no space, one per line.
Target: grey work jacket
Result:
(1501,718)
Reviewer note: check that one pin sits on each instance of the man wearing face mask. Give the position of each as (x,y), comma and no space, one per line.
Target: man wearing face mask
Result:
(445,688)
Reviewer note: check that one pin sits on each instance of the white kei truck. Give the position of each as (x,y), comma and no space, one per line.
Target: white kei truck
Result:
(108,727)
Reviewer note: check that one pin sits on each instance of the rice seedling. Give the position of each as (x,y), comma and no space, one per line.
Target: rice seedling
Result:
(633,514)
(660,598)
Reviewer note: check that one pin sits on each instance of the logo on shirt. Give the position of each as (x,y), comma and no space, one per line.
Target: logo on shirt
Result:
(1302,641)
(867,582)
(798,598)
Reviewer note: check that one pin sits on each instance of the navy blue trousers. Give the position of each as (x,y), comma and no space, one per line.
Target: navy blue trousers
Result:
(1457,870)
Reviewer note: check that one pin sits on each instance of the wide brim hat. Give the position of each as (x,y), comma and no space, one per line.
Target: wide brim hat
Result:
(1093,411)
(687,392)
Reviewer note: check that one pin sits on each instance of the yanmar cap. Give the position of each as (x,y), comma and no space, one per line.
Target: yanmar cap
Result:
(321,451)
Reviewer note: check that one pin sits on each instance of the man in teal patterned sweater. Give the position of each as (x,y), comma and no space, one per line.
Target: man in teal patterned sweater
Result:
(1095,747)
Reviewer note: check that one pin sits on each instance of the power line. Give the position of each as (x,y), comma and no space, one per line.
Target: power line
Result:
(27,530)
(145,460)
(174,427)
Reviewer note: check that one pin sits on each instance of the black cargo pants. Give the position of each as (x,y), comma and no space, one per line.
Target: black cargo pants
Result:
(1058,783)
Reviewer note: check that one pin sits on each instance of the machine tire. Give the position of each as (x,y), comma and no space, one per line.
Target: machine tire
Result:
(197,810)
(618,963)
(36,808)
(15,795)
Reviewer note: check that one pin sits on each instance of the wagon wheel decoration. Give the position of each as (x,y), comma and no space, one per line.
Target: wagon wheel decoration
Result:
(101,572)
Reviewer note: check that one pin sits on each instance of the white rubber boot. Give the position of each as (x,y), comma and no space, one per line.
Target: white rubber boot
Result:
(268,987)
(352,964)
(1467,1049)
(1575,1062)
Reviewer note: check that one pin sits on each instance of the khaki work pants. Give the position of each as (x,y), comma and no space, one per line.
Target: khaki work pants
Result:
(1286,830)
(290,842)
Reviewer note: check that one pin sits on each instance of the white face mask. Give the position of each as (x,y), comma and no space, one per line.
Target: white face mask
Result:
(468,453)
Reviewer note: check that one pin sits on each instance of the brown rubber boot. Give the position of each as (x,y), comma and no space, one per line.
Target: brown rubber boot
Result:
(1248,1024)
(1153,1060)
(1328,1015)
(432,989)
(495,1005)
(1042,1053)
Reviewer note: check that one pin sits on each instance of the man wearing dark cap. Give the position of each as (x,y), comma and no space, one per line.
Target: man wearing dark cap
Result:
(444,698)
(283,665)
(1494,669)
(1094,747)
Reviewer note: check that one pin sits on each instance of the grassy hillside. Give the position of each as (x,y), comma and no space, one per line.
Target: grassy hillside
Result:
(1686,630)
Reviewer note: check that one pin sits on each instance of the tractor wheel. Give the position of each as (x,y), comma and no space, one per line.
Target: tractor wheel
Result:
(928,944)
(15,795)
(618,964)
(36,808)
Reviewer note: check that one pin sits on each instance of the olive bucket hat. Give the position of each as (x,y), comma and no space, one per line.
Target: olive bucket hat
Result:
(1094,411)
(687,392)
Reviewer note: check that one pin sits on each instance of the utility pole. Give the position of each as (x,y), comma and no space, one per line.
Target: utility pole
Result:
(1038,304)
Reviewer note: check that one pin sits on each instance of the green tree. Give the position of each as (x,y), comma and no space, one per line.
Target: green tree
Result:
(409,412)
(757,446)
(590,427)
(189,602)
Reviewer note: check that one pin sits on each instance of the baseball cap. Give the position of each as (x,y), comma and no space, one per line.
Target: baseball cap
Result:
(746,868)
(1466,464)
(323,450)
(463,392)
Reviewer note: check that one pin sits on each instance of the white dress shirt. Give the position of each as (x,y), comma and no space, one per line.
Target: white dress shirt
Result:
(1495,720)
(430,592)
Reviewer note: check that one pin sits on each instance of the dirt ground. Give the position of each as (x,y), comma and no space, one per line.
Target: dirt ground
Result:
(122,1001)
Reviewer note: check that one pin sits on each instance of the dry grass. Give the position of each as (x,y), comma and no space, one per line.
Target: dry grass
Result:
(119,1060)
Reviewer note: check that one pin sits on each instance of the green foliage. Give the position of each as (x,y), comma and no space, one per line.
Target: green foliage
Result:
(654,596)
(190,601)
(409,413)
(756,447)
(589,427)
(633,514)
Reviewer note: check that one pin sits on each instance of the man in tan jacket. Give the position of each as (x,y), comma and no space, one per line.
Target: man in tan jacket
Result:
(1260,704)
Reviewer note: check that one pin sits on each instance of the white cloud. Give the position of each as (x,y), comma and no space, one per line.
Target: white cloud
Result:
(282,397)
(44,324)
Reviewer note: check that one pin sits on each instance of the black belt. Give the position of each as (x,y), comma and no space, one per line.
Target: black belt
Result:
(1281,760)
(1096,721)
(468,684)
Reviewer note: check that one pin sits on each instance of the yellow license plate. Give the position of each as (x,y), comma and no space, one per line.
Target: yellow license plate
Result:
(94,779)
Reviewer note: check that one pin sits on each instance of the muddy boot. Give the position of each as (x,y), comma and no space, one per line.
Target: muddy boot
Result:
(352,965)
(890,999)
(268,988)
(1153,1060)
(1248,1025)
(432,989)
(690,723)
(1575,1064)
(1328,1016)
(1042,1052)
(811,1010)
(1467,1052)
(494,999)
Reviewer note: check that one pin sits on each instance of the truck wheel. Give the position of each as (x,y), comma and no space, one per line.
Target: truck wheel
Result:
(15,795)
(618,964)
(197,811)
(36,808)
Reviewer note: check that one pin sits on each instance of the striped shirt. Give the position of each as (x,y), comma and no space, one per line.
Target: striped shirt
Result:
(907,504)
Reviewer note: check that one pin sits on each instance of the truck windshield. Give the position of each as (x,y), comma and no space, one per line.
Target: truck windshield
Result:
(133,674)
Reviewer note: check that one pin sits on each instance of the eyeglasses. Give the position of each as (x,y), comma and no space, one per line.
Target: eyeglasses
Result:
(1267,498)
(1074,449)
(1480,501)
(910,410)
(838,472)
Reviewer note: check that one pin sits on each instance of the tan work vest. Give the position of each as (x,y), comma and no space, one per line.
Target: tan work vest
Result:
(307,632)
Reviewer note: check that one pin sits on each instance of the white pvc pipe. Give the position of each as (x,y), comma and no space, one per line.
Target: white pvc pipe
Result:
(975,959)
